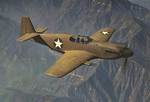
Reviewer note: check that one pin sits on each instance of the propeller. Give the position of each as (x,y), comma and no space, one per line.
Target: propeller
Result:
(127,45)
(124,67)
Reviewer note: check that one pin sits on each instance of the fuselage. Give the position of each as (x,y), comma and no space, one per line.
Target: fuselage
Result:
(66,42)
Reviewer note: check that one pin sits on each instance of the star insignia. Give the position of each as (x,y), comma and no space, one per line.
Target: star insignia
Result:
(58,43)
(105,33)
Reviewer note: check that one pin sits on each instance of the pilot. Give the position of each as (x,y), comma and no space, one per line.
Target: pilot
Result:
(73,38)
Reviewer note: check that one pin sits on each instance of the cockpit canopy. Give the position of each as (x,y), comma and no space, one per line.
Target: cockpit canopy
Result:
(80,39)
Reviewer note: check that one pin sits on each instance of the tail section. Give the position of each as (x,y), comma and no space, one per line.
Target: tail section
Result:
(27,29)
(26,25)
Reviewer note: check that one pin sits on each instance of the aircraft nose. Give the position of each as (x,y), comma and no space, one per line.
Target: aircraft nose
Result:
(127,52)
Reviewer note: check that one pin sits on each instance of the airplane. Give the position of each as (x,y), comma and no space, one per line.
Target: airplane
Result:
(76,49)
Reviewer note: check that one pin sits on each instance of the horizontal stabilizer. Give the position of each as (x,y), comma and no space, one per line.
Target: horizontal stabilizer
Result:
(27,36)
(40,29)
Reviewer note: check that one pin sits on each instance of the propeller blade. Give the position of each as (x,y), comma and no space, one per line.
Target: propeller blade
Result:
(124,65)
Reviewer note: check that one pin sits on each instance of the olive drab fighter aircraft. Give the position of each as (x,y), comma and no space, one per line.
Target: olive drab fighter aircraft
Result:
(76,49)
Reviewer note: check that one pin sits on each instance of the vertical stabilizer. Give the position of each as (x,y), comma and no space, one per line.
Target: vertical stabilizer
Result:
(27,29)
(26,25)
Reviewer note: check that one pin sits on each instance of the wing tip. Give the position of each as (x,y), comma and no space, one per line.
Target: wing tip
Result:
(53,75)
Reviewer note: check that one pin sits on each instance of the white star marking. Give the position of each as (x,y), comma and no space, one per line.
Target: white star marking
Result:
(58,43)
(105,33)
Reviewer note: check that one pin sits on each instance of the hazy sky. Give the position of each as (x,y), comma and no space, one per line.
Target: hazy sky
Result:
(144,3)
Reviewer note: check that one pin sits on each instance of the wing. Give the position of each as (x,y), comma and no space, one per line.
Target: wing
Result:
(68,62)
(103,35)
